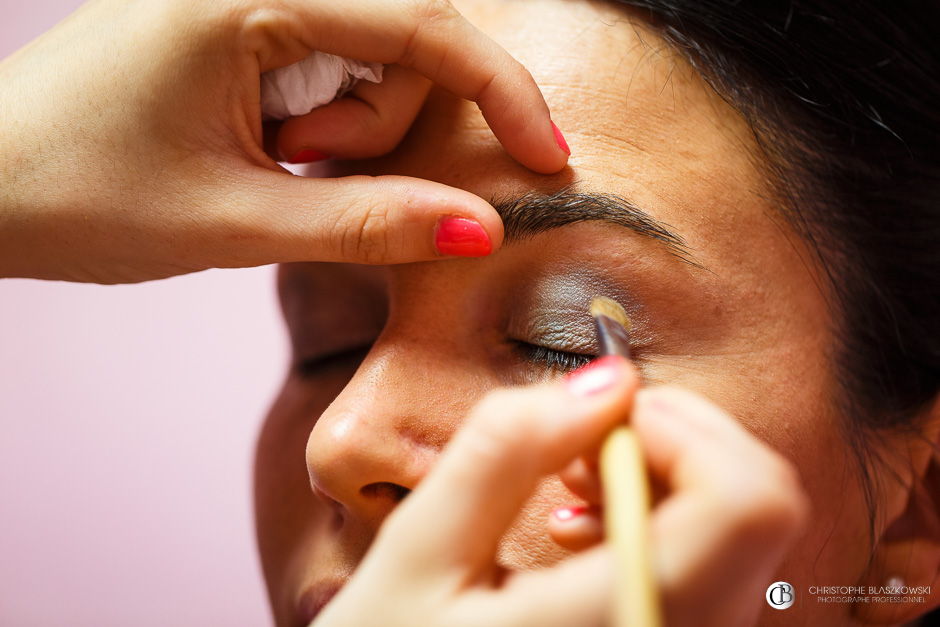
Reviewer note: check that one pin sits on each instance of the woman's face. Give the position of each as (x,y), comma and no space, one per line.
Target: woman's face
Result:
(387,360)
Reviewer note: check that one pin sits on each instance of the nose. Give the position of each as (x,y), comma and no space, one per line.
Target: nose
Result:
(382,433)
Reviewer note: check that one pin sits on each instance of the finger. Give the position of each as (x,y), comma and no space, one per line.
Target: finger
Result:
(272,218)
(511,439)
(369,121)
(431,37)
(734,509)
(582,478)
(576,527)
(574,592)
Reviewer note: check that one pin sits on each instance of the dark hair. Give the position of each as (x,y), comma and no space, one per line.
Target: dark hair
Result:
(842,97)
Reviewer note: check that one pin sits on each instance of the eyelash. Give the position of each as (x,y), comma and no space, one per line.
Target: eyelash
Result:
(553,359)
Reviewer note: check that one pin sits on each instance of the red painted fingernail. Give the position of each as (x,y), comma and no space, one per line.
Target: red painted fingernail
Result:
(460,237)
(561,139)
(596,377)
(306,155)
(564,514)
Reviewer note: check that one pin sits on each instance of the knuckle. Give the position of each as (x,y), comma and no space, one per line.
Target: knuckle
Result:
(262,19)
(423,11)
(254,22)
(424,14)
(509,72)
(362,235)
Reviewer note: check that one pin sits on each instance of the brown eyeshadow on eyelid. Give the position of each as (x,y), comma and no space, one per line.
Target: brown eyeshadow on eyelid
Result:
(559,329)
(665,298)
(554,310)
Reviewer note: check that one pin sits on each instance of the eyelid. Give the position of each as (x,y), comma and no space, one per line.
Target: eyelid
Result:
(567,331)
(314,365)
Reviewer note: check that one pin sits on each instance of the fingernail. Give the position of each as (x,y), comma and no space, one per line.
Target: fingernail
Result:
(306,155)
(460,237)
(596,377)
(561,139)
(564,514)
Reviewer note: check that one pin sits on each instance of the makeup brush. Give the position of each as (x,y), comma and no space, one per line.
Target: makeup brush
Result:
(626,492)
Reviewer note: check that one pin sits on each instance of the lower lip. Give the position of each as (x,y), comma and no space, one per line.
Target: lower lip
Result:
(314,599)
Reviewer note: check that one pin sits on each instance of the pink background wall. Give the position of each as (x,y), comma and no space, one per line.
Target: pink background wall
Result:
(127,420)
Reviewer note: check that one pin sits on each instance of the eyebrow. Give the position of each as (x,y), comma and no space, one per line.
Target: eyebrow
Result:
(534,213)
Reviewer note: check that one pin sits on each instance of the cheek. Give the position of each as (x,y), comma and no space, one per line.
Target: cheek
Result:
(836,544)
(527,545)
(782,391)
(798,421)
(284,507)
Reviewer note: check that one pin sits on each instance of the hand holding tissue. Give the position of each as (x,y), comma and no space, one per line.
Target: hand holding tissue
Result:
(319,79)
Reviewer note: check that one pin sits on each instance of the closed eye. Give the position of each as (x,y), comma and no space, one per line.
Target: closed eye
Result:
(551,358)
(536,354)
(321,364)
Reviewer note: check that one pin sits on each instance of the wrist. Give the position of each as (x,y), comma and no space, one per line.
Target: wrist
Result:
(26,195)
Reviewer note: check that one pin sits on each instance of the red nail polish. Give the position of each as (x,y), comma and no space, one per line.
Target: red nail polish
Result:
(596,377)
(564,514)
(306,155)
(460,237)
(561,139)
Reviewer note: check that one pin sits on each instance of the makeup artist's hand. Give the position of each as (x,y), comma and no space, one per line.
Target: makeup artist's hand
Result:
(729,508)
(132,147)
(732,509)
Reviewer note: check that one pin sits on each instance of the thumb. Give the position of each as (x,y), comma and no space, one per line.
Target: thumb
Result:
(357,219)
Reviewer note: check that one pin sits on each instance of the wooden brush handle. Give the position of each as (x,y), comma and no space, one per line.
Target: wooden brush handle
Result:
(626,521)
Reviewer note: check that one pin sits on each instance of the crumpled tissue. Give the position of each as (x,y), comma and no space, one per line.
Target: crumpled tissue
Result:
(317,80)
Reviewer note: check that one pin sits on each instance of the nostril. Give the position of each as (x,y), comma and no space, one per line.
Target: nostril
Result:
(384,490)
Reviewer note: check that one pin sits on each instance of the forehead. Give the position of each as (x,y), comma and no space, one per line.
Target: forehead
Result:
(640,119)
(641,123)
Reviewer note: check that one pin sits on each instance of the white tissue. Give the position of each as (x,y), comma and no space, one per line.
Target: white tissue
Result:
(317,80)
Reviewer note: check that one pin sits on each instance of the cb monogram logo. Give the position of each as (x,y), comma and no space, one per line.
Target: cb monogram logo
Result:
(780,595)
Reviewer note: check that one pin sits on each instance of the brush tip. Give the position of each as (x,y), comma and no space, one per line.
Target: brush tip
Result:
(603,306)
